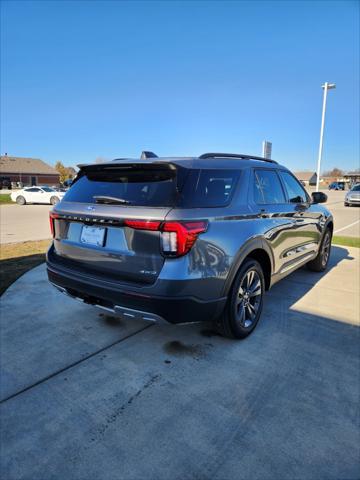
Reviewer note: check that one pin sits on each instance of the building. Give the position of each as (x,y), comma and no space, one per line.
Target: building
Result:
(309,178)
(352,178)
(28,171)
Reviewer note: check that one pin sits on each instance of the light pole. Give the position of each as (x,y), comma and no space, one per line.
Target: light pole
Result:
(327,86)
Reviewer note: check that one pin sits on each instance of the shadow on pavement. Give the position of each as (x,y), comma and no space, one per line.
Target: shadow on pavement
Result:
(177,402)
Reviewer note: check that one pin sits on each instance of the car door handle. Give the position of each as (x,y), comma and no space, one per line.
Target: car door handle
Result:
(299,220)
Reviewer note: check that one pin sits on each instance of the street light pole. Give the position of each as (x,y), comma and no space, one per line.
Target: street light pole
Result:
(327,86)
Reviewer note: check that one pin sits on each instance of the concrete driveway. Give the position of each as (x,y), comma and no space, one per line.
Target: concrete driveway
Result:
(85,396)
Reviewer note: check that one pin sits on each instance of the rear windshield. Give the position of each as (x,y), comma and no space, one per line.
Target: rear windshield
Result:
(181,187)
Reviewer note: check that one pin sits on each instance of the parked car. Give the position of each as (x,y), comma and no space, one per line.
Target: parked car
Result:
(186,239)
(353,196)
(5,183)
(67,183)
(337,186)
(37,195)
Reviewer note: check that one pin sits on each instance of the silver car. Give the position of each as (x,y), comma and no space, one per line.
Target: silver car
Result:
(185,239)
(353,196)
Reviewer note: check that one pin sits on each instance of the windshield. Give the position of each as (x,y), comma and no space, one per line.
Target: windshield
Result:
(47,189)
(356,188)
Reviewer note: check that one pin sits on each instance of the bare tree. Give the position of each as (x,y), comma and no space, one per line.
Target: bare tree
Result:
(335,172)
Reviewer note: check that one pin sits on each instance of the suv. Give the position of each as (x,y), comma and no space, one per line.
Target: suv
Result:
(185,239)
(337,186)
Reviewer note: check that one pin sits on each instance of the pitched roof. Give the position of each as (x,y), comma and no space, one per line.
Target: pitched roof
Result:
(304,175)
(25,165)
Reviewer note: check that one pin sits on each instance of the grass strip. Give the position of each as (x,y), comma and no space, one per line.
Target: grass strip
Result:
(346,241)
(17,258)
(5,198)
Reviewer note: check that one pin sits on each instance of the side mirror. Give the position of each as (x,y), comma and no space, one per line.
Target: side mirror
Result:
(319,197)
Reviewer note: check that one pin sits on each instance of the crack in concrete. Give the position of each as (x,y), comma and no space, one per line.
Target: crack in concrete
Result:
(74,364)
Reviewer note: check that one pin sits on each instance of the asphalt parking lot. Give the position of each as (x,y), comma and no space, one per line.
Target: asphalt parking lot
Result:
(346,219)
(31,222)
(23,223)
(86,396)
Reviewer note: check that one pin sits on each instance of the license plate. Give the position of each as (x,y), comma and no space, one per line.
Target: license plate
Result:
(93,235)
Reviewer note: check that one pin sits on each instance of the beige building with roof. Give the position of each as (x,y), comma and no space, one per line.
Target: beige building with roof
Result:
(309,178)
(28,171)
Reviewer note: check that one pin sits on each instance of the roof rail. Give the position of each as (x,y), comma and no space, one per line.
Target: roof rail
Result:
(235,156)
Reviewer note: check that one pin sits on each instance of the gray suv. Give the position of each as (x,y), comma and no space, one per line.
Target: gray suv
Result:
(185,239)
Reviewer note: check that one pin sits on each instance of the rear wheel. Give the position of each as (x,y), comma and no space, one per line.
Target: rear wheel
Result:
(54,200)
(245,302)
(20,200)
(320,262)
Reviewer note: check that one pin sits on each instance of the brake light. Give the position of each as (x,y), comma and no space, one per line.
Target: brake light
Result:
(142,224)
(52,216)
(177,238)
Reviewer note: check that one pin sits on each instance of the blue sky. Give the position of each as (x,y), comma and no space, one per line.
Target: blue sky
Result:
(88,79)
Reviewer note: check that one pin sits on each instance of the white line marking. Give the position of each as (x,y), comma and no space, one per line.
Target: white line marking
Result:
(347,226)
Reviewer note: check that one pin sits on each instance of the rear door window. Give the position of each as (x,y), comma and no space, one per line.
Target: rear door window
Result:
(267,187)
(208,188)
(295,191)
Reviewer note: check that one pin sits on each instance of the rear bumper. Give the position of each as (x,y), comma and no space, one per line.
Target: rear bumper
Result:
(120,299)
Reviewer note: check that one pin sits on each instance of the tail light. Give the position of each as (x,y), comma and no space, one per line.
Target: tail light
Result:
(52,216)
(177,238)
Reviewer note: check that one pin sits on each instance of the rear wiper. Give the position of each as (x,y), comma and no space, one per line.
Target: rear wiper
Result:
(110,200)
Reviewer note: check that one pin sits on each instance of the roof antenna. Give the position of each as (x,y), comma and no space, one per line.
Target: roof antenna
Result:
(144,155)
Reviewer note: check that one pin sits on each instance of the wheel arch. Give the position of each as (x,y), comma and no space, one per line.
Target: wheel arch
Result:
(258,250)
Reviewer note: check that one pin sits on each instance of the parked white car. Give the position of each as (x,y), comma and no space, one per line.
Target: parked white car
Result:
(37,195)
(353,196)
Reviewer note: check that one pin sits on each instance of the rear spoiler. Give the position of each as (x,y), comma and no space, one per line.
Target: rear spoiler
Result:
(166,170)
(133,165)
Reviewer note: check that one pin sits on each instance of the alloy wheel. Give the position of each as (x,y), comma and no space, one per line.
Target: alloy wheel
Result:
(325,249)
(248,298)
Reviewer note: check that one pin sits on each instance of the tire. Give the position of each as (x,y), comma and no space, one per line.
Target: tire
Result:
(54,200)
(20,200)
(346,204)
(320,262)
(242,311)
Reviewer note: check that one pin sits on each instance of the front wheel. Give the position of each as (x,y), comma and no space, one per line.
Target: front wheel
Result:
(54,200)
(245,302)
(320,262)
